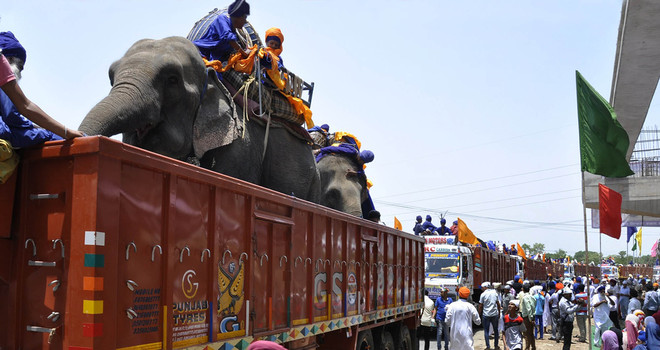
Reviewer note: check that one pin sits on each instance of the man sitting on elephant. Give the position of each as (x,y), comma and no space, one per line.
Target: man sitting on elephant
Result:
(220,40)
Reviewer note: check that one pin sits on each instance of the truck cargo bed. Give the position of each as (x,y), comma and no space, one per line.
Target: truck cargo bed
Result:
(115,247)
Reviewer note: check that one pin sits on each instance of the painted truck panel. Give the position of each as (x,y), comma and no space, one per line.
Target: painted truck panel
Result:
(116,247)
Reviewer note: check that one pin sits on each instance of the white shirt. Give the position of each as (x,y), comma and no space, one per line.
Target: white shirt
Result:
(616,303)
(460,315)
(602,312)
(427,312)
(489,301)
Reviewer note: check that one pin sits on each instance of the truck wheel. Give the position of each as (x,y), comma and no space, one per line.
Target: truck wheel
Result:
(385,341)
(414,338)
(365,341)
(404,340)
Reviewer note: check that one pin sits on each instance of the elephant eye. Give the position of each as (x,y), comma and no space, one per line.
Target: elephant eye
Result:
(172,80)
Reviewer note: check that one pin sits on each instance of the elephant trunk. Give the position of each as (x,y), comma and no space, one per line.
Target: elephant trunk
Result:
(128,107)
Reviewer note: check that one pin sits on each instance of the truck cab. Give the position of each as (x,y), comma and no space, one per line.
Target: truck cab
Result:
(520,266)
(569,271)
(446,266)
(609,270)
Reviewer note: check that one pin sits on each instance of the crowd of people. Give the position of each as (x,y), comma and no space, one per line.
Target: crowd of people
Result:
(517,313)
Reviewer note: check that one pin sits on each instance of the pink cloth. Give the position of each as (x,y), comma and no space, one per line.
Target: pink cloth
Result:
(265,345)
(6,75)
(631,334)
(610,341)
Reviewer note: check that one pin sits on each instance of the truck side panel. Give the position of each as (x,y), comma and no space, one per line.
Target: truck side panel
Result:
(114,247)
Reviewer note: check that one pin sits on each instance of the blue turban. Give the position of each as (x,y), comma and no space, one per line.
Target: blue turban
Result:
(11,47)
(238,8)
(442,221)
(516,278)
(428,217)
(366,155)
(325,127)
(419,218)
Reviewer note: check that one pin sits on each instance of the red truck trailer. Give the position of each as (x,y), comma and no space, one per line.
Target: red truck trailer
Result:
(626,270)
(491,266)
(587,270)
(115,247)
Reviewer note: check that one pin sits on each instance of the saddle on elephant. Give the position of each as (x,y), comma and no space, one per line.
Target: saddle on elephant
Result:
(279,95)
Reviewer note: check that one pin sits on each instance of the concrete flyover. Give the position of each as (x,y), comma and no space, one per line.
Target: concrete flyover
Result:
(636,73)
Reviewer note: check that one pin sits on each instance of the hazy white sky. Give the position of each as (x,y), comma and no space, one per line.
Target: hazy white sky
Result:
(469,106)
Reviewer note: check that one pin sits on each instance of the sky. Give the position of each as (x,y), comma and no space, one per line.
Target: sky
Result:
(469,106)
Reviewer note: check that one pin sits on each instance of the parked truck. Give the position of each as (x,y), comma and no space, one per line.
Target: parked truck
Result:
(643,270)
(446,265)
(114,247)
(453,266)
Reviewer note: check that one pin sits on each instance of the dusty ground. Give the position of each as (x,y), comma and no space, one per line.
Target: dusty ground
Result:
(546,343)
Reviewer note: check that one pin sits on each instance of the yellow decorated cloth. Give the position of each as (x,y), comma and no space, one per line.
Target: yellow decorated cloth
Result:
(235,62)
(246,65)
(339,135)
(8,160)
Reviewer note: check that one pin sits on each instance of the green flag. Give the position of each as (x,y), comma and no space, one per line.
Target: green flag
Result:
(603,141)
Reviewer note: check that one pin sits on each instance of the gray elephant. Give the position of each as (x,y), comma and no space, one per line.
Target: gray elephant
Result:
(343,181)
(163,99)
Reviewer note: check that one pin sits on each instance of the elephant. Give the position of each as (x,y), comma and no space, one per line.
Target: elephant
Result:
(343,182)
(164,99)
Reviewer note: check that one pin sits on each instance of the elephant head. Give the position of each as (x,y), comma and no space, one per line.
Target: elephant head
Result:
(161,95)
(343,183)
(164,99)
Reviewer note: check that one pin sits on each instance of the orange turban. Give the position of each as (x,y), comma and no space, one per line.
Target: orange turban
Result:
(277,33)
(559,286)
(463,293)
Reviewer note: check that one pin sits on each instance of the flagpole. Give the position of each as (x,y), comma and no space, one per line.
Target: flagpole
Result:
(586,261)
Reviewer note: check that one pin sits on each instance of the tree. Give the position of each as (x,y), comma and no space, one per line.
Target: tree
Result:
(537,248)
(560,254)
(622,258)
(594,257)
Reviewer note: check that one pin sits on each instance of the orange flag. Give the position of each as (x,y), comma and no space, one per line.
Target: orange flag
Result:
(465,235)
(397,224)
(521,252)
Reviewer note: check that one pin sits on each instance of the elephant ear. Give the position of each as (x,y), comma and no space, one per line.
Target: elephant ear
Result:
(217,122)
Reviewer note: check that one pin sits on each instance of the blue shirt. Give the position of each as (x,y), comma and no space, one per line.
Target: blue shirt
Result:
(440,305)
(540,303)
(428,225)
(214,44)
(442,230)
(651,300)
(17,129)
(418,229)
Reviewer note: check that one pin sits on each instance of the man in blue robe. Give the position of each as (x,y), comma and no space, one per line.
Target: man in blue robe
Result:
(442,229)
(427,225)
(14,127)
(221,40)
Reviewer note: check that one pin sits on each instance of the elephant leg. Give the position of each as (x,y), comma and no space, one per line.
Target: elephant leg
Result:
(236,160)
(289,167)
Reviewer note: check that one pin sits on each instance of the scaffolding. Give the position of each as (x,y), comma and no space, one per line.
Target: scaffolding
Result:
(645,159)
